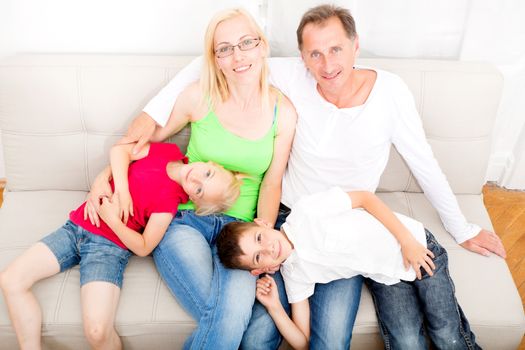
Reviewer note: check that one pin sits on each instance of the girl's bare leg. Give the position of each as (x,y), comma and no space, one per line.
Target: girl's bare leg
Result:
(99,306)
(36,263)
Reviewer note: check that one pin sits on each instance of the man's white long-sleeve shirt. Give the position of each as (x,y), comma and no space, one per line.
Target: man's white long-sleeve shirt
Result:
(345,147)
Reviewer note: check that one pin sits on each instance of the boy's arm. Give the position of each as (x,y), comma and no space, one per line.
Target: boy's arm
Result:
(296,331)
(140,244)
(120,156)
(413,252)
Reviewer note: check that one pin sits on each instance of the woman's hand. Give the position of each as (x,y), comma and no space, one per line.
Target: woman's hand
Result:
(140,131)
(99,190)
(417,256)
(267,293)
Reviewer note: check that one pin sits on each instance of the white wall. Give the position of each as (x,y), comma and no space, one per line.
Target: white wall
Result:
(107,26)
(448,29)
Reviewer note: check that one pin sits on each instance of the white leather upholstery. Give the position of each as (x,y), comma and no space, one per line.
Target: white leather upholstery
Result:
(60,114)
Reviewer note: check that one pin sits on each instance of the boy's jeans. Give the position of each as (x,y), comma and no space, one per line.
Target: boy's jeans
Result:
(405,309)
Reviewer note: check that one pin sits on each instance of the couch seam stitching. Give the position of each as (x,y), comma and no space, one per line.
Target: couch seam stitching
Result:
(83,123)
(61,295)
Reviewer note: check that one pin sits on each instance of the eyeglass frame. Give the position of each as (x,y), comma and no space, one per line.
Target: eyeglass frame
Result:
(231,48)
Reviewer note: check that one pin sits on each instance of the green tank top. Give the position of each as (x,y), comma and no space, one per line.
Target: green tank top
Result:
(210,141)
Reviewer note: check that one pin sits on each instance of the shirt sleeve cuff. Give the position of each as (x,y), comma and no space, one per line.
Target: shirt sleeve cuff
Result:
(470,231)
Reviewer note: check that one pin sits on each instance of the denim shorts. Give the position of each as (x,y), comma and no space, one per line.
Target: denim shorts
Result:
(99,258)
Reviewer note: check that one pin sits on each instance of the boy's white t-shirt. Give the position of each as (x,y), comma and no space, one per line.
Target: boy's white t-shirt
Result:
(333,241)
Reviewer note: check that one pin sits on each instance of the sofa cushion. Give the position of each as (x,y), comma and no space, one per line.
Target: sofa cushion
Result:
(60,114)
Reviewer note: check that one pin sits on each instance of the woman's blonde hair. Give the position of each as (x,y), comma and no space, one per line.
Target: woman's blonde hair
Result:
(228,198)
(213,82)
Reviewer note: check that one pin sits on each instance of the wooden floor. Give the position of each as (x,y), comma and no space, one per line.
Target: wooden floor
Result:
(2,186)
(507,213)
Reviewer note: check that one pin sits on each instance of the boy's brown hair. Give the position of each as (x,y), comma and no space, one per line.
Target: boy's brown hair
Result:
(321,14)
(228,246)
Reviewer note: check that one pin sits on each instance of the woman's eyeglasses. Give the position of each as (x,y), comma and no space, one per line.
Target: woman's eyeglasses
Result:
(244,45)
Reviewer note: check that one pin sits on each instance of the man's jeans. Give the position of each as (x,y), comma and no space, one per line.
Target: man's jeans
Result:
(406,309)
(219,299)
(333,307)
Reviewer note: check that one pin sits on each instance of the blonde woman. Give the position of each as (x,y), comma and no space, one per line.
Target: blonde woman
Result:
(240,122)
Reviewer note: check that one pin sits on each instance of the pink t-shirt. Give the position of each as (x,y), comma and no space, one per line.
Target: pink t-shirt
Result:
(151,189)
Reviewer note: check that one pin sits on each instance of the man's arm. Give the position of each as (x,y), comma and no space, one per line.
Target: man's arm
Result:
(159,110)
(296,331)
(409,139)
(160,107)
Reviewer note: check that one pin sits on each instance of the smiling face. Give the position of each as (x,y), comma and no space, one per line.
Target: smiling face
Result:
(241,66)
(263,248)
(329,54)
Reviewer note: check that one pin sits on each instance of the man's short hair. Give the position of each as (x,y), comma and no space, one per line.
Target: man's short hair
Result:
(228,246)
(321,14)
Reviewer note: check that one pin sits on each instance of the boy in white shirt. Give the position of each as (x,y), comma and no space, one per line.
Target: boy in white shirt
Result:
(326,238)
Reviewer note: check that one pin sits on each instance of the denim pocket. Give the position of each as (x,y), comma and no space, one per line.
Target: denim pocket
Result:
(433,245)
(440,259)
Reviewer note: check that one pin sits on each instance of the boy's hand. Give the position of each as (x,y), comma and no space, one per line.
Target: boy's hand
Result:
(109,209)
(126,205)
(272,269)
(417,256)
(267,293)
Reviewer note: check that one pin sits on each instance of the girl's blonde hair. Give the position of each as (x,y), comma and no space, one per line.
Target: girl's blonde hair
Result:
(213,82)
(228,198)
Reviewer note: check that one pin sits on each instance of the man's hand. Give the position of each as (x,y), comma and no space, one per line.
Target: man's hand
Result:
(485,243)
(140,131)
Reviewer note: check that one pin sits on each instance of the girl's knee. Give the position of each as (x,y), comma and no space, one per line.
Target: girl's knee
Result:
(11,282)
(97,332)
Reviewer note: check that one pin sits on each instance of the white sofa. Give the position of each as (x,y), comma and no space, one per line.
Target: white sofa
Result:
(60,114)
